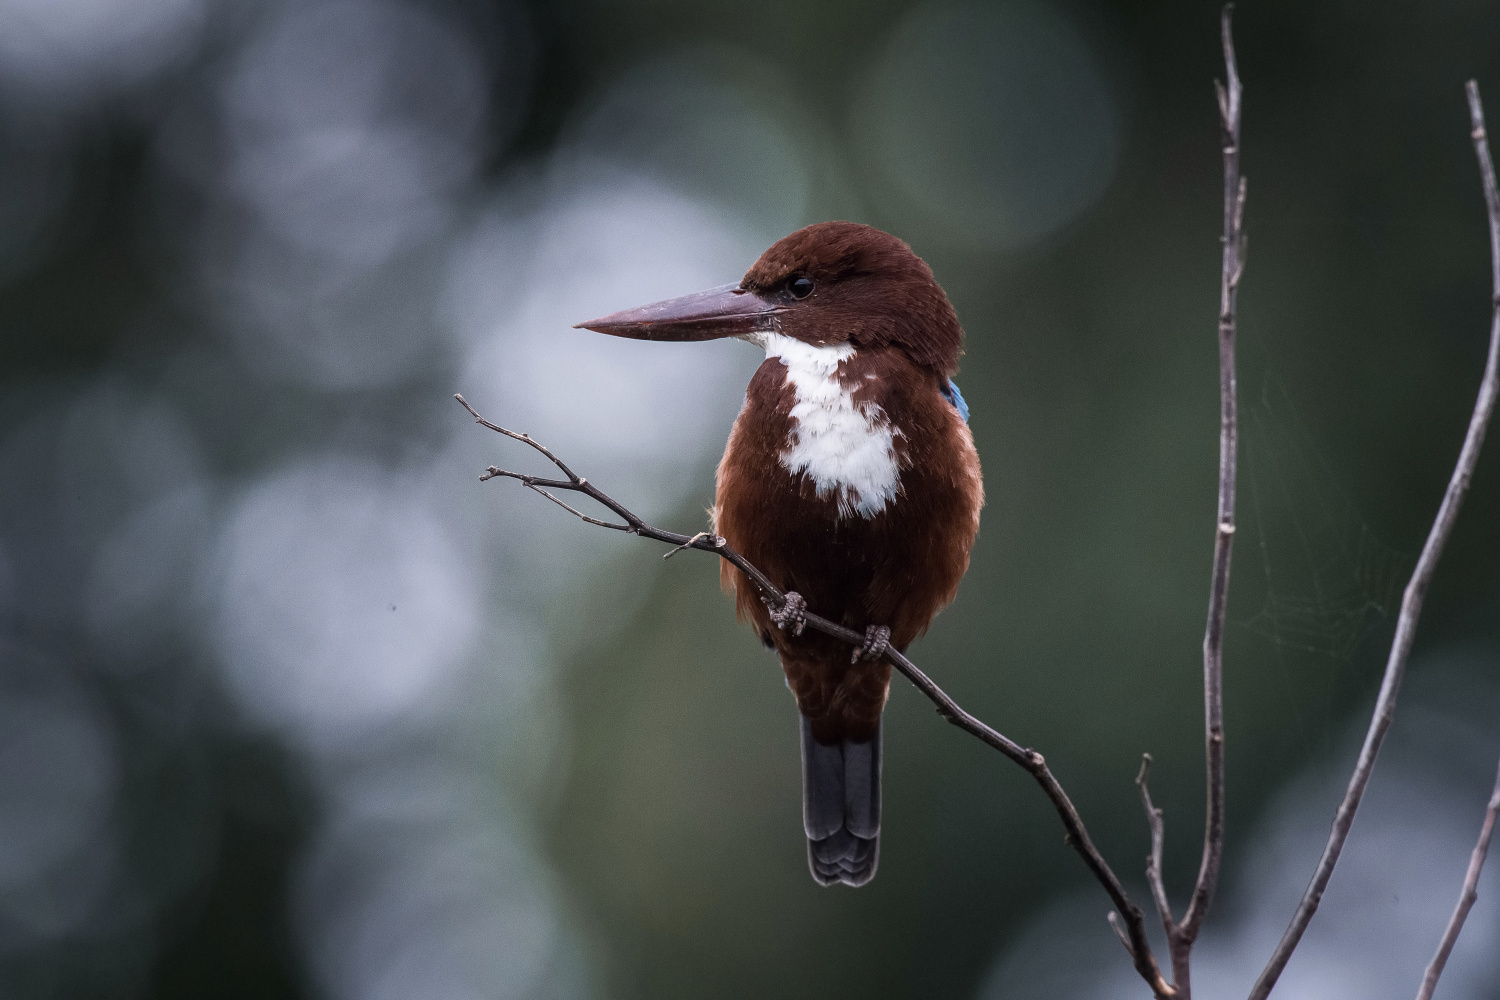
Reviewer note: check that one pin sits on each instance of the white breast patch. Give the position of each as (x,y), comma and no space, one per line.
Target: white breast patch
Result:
(846,448)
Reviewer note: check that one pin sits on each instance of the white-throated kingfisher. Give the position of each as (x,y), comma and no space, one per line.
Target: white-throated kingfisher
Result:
(850,480)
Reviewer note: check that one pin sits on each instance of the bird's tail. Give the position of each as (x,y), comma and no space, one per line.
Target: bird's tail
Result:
(841,807)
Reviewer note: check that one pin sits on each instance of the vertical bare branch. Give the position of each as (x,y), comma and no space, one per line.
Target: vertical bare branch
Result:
(1465,899)
(1218,598)
(1416,589)
(1181,936)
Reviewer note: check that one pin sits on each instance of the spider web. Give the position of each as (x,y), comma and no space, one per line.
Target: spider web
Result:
(1329,579)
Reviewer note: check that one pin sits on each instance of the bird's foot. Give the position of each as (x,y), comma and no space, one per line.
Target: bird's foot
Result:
(877,641)
(791,613)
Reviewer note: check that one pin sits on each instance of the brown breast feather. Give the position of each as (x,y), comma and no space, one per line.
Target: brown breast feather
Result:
(898,568)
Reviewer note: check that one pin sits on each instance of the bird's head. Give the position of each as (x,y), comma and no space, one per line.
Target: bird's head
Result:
(828,284)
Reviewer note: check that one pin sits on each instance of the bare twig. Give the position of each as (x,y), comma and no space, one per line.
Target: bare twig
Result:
(1181,936)
(1119,929)
(1032,762)
(700,535)
(1465,899)
(1218,599)
(1153,860)
(1416,589)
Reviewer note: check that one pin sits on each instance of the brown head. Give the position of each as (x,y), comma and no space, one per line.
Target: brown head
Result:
(830,283)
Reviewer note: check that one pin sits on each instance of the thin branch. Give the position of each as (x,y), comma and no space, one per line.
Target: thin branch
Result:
(1119,929)
(526,438)
(1218,594)
(1181,936)
(702,534)
(1029,760)
(1416,589)
(1465,899)
(576,513)
(1153,861)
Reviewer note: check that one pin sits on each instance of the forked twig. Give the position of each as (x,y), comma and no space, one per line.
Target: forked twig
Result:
(1029,760)
(1466,898)
(1416,589)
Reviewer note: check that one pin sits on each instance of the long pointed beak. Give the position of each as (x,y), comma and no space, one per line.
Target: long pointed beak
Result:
(728,311)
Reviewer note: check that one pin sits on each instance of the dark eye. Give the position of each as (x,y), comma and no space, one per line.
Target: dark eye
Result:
(801,287)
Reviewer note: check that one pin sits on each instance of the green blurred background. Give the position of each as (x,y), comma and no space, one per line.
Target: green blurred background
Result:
(290,705)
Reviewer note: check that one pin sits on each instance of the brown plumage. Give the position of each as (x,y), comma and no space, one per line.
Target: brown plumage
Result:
(850,478)
(897,568)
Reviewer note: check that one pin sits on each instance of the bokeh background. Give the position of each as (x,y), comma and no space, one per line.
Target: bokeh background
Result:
(292,706)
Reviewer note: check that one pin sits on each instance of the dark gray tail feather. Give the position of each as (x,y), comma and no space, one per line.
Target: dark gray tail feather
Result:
(841,807)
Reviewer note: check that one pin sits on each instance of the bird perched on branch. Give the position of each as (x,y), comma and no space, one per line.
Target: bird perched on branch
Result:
(850,480)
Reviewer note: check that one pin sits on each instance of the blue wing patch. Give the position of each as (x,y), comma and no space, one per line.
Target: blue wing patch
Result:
(952,395)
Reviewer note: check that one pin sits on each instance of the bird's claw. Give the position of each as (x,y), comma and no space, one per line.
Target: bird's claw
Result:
(791,613)
(877,641)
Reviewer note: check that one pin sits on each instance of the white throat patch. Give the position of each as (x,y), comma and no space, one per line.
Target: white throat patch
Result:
(846,448)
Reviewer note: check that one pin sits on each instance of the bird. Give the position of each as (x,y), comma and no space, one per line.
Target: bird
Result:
(850,480)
